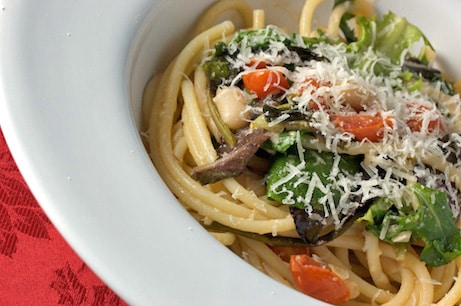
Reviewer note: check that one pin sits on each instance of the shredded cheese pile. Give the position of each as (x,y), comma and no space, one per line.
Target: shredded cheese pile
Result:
(389,164)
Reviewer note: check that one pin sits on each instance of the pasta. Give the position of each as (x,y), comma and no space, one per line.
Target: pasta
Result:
(359,226)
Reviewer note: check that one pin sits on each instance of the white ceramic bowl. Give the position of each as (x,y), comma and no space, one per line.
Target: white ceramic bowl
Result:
(71,81)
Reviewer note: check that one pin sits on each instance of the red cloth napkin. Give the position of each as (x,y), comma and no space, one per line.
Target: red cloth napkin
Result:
(37,267)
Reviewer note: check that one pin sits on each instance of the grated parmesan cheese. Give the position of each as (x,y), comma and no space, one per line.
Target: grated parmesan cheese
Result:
(339,89)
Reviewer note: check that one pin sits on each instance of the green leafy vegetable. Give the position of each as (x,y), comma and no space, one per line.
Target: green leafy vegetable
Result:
(316,169)
(348,32)
(217,70)
(306,54)
(281,142)
(260,39)
(308,187)
(274,113)
(431,222)
(220,49)
(311,42)
(392,37)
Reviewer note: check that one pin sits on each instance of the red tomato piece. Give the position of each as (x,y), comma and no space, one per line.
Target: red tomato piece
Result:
(317,281)
(369,127)
(310,82)
(313,85)
(257,64)
(264,82)
(417,112)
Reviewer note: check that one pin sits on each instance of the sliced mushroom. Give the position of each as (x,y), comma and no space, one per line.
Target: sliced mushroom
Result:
(234,162)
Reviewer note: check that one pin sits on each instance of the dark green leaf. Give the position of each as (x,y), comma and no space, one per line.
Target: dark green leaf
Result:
(272,113)
(436,225)
(220,49)
(432,222)
(316,163)
(348,32)
(306,54)
(312,223)
(216,70)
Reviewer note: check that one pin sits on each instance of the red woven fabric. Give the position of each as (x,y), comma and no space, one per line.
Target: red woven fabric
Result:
(37,267)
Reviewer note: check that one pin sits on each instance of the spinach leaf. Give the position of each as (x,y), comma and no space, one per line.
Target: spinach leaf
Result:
(289,178)
(432,222)
(308,186)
